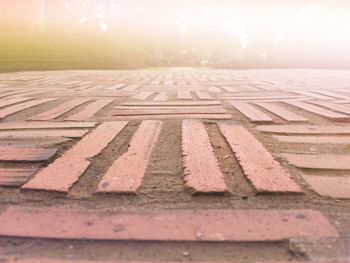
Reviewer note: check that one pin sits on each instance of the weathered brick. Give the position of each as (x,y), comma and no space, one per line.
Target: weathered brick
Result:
(282,112)
(258,165)
(317,161)
(332,186)
(318,110)
(164,225)
(251,112)
(127,172)
(90,110)
(22,106)
(66,170)
(202,172)
(29,154)
(59,110)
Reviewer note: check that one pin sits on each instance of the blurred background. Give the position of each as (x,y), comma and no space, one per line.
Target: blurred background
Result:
(115,34)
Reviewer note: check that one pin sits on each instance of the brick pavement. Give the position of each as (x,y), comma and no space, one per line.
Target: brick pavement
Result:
(175,155)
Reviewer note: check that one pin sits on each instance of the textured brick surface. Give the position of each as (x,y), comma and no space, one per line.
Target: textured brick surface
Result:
(24,134)
(59,110)
(257,163)
(15,176)
(319,111)
(202,172)
(316,161)
(22,106)
(332,186)
(313,139)
(251,112)
(282,112)
(306,129)
(29,154)
(126,173)
(44,125)
(66,170)
(184,95)
(164,225)
(90,110)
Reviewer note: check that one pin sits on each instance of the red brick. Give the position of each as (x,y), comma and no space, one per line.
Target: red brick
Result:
(4,103)
(313,95)
(251,112)
(179,108)
(66,170)
(15,176)
(316,161)
(184,95)
(332,94)
(22,106)
(204,95)
(172,103)
(59,110)
(313,139)
(44,125)
(214,89)
(333,106)
(318,110)
(15,154)
(306,129)
(162,96)
(127,172)
(282,112)
(90,110)
(258,165)
(142,95)
(176,116)
(160,111)
(164,225)
(331,186)
(25,134)
(202,172)
(131,87)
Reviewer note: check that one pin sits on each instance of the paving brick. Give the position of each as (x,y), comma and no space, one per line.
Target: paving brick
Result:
(172,103)
(4,103)
(35,134)
(251,112)
(22,106)
(164,225)
(310,94)
(258,165)
(176,116)
(184,95)
(333,106)
(15,176)
(313,139)
(59,110)
(66,170)
(127,172)
(331,186)
(204,95)
(160,111)
(306,129)
(90,110)
(202,172)
(29,154)
(44,125)
(316,161)
(282,112)
(162,96)
(318,110)
(214,89)
(332,94)
(142,95)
